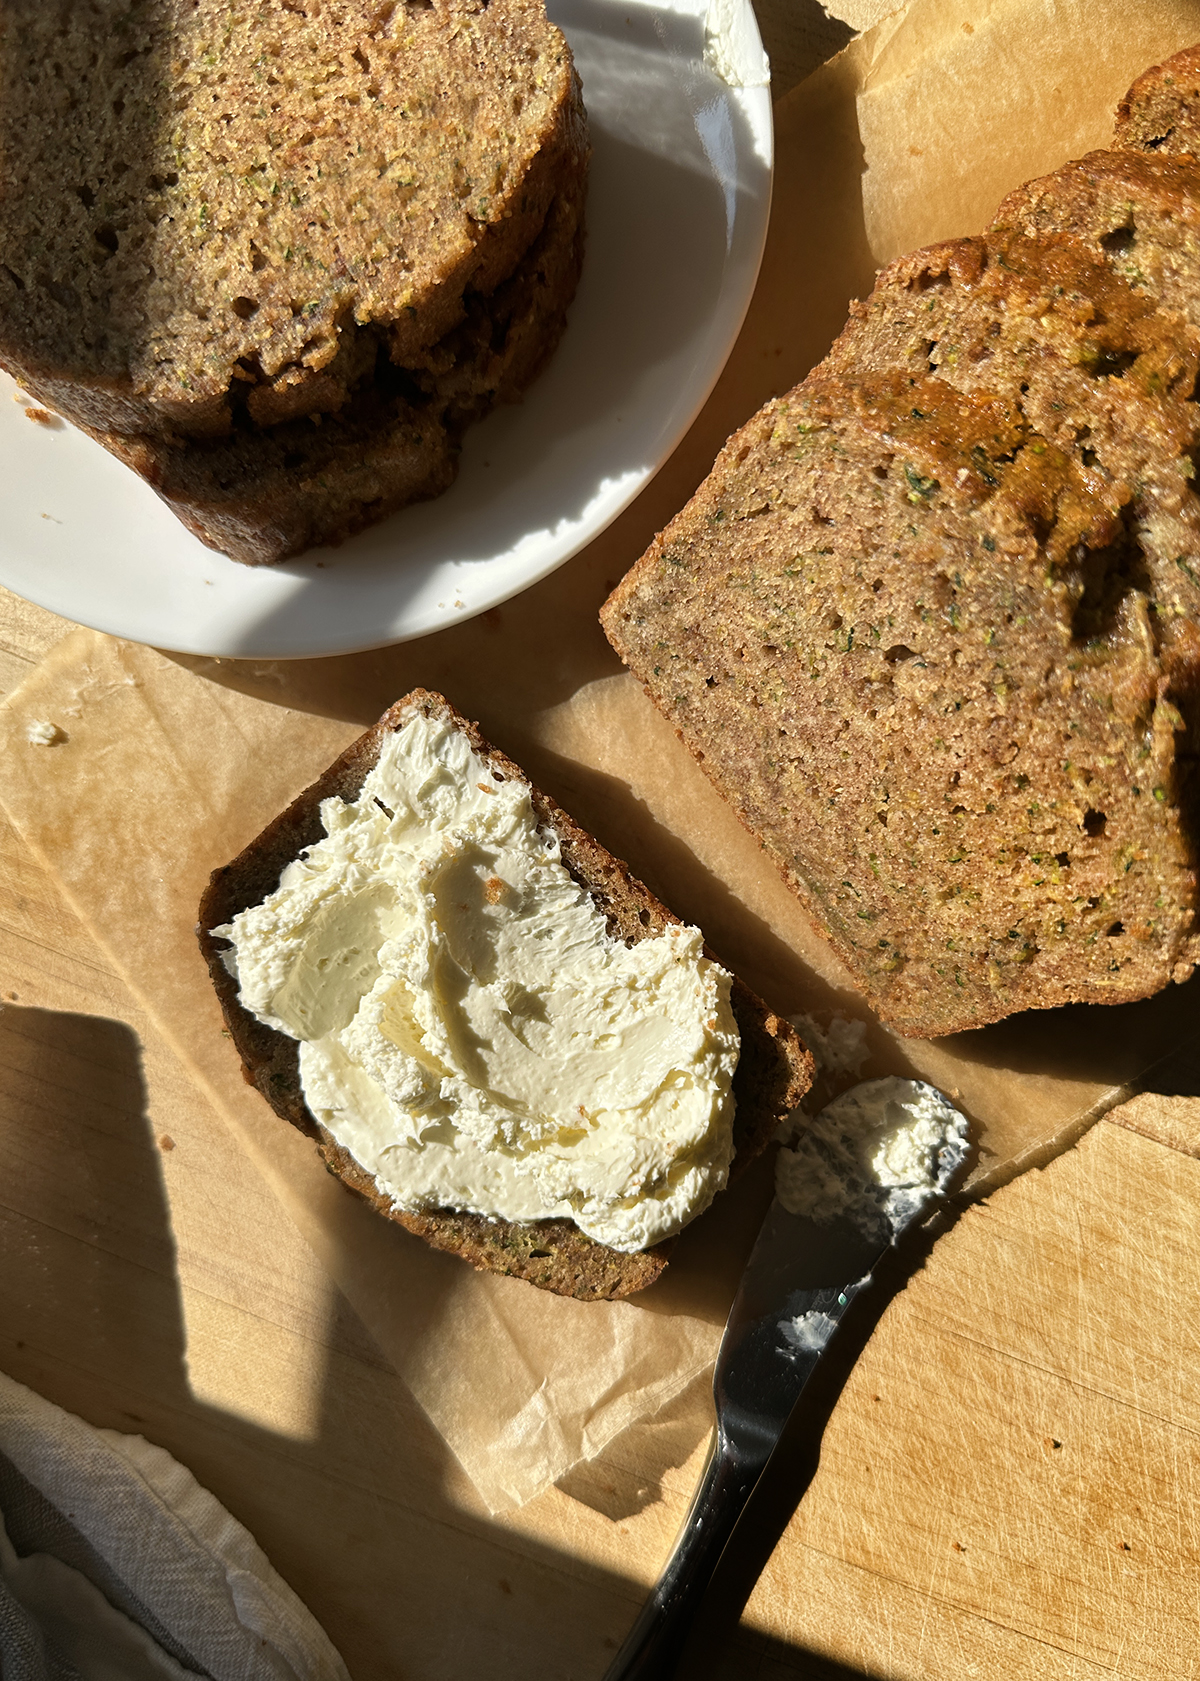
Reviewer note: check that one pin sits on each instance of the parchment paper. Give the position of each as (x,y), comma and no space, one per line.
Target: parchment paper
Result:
(859,14)
(170,766)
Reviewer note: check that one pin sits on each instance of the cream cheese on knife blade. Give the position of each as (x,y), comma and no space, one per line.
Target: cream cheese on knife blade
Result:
(880,1156)
(468,1028)
(875,1155)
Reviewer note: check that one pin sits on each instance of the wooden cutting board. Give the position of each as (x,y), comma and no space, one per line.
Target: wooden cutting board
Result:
(1008,1481)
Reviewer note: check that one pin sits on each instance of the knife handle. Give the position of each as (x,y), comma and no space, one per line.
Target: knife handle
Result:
(651,1649)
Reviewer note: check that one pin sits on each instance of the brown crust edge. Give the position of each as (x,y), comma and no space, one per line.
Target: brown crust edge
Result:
(1175,80)
(552,1254)
(101,404)
(1134,107)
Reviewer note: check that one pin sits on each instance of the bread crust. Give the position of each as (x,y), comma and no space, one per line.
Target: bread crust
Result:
(774,1067)
(156,271)
(1161,111)
(932,623)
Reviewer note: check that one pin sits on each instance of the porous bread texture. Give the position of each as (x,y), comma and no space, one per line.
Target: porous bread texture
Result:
(1138,212)
(774,1067)
(1161,111)
(933,623)
(211,206)
(268,492)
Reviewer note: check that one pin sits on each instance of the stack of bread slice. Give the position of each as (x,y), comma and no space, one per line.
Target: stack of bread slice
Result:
(933,622)
(277,257)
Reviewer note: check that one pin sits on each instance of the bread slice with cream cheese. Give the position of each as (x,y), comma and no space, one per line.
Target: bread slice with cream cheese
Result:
(773,1068)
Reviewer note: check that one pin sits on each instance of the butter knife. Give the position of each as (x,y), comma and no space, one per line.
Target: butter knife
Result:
(801,1278)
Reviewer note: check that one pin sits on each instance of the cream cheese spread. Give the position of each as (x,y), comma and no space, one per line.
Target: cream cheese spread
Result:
(875,1155)
(732,45)
(469,1030)
(807,1333)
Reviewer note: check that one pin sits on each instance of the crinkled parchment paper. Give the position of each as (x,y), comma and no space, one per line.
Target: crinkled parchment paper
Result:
(170,766)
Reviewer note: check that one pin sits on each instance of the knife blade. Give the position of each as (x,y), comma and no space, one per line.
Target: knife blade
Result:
(801,1279)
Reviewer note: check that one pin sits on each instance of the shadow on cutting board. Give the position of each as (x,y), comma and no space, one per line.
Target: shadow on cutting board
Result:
(716,1646)
(91,1317)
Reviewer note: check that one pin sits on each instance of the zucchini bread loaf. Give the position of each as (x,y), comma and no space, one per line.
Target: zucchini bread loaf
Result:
(222,227)
(933,622)
(497,1035)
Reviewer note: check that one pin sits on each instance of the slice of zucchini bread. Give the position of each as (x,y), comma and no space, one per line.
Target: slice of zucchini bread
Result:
(774,1069)
(204,206)
(933,626)
(221,227)
(266,492)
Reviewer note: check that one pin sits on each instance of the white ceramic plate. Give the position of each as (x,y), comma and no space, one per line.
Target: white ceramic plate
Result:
(676,220)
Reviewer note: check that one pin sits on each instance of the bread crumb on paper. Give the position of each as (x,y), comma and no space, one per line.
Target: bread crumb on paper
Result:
(40,732)
(43,417)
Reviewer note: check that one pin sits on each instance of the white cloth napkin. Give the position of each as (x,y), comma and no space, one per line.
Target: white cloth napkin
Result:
(115,1565)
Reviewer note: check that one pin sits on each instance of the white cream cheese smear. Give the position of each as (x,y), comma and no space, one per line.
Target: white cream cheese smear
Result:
(468,1028)
(732,46)
(877,1155)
